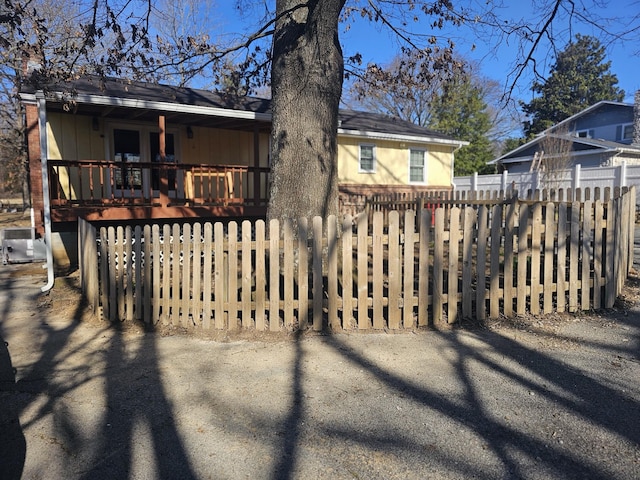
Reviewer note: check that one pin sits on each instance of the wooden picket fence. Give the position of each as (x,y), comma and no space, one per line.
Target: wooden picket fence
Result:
(477,261)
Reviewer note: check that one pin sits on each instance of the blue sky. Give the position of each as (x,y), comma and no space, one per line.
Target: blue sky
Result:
(376,45)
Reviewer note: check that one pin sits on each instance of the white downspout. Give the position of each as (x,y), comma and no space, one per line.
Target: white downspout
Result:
(42,125)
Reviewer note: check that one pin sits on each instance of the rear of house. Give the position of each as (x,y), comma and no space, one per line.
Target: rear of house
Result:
(115,151)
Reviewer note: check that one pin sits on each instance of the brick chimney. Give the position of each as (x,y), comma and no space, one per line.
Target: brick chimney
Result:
(636,119)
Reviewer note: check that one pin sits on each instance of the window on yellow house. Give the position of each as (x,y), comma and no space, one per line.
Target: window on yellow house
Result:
(367,160)
(417,166)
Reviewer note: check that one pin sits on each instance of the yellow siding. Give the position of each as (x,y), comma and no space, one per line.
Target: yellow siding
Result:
(223,147)
(70,137)
(392,162)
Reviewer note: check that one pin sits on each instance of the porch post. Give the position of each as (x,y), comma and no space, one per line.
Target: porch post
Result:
(256,163)
(162,137)
(164,174)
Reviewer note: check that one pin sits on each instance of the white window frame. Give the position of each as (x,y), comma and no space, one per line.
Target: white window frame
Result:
(624,128)
(374,160)
(424,166)
(586,133)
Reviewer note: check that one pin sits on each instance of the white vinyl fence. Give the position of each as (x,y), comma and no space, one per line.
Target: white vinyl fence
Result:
(576,178)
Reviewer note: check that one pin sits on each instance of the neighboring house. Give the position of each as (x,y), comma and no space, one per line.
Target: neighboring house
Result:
(118,151)
(600,135)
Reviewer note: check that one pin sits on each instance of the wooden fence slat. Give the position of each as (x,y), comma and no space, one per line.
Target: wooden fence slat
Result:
(261,276)
(631,200)
(206,276)
(423,268)
(105,272)
(151,301)
(587,255)
(469,217)
(624,234)
(481,267)
(232,275)
(137,274)
(378,271)
(438,267)
(394,271)
(166,274)
(454,261)
(175,274)
(303,274)
(523,255)
(247,319)
(318,293)
(288,271)
(509,236)
(598,247)
(274,275)
(347,273)
(113,276)
(185,300)
(332,274)
(363,273)
(494,262)
(196,266)
(218,276)
(122,266)
(617,245)
(88,264)
(408,277)
(536,243)
(573,256)
(561,265)
(549,257)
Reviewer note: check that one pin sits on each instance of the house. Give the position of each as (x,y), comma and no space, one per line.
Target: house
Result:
(600,135)
(111,150)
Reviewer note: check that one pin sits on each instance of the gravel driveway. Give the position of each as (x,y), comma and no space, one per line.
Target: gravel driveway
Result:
(536,398)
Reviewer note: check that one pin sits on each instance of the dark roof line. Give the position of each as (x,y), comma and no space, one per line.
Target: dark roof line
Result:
(350,120)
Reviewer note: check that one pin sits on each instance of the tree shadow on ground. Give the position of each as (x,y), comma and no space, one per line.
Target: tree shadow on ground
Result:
(13,447)
(539,374)
(44,385)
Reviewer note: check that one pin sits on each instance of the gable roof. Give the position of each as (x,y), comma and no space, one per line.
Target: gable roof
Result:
(190,106)
(582,113)
(580,145)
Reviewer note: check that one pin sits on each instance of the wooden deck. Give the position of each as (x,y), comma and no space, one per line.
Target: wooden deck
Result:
(107,190)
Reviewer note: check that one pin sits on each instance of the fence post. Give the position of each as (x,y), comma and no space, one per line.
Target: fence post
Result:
(88,262)
(575,184)
(474,182)
(503,184)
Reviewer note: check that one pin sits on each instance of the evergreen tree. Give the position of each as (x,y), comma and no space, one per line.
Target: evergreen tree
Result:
(460,111)
(511,144)
(579,78)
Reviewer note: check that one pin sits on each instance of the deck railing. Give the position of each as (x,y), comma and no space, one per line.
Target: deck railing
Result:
(91,183)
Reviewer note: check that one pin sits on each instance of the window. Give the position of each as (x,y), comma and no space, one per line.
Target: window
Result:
(127,150)
(417,166)
(132,144)
(367,159)
(627,132)
(585,133)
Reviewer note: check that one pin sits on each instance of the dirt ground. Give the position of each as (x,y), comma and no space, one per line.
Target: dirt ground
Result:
(531,397)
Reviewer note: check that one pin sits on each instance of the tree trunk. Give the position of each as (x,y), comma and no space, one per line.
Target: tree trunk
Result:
(306,82)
